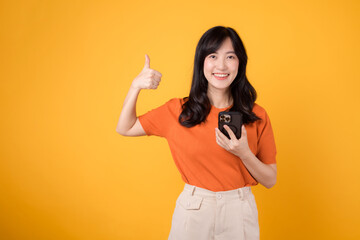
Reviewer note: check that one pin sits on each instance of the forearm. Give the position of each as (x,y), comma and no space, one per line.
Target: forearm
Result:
(128,113)
(263,173)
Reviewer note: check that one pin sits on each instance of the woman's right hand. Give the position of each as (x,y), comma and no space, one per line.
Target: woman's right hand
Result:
(148,78)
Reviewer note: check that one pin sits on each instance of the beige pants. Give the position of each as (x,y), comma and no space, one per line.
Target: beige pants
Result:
(201,214)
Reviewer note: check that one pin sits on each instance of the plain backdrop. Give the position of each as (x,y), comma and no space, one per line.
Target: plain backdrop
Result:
(66,67)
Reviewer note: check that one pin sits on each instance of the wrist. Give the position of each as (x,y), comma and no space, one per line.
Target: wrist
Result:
(246,155)
(135,87)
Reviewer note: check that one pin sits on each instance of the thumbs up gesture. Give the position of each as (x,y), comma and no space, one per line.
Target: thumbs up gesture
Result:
(148,78)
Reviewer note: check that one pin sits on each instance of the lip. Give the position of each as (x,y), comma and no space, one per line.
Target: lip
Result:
(221,78)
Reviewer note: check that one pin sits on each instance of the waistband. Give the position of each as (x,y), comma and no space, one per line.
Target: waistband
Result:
(241,193)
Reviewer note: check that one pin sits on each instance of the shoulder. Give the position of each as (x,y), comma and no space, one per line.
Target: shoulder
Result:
(262,114)
(175,102)
(259,111)
(174,105)
(172,102)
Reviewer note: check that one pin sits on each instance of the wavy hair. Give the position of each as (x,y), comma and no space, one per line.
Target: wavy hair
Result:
(197,105)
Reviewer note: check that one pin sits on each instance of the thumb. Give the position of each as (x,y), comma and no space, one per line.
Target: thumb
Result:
(243,130)
(147,61)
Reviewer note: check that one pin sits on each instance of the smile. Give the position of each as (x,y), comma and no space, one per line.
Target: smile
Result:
(221,76)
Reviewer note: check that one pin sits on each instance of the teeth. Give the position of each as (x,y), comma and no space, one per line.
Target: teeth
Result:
(220,75)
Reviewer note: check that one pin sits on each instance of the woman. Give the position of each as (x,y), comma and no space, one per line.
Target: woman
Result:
(217,202)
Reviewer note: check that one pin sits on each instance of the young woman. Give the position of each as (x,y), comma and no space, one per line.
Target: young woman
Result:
(217,202)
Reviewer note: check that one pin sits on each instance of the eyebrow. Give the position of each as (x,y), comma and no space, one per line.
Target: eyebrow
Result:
(226,52)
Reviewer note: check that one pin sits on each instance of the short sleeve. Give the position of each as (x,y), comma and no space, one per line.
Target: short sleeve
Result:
(266,141)
(158,121)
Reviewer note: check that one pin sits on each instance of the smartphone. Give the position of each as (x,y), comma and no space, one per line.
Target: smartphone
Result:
(233,120)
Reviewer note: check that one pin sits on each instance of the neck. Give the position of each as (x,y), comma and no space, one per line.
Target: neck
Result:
(220,98)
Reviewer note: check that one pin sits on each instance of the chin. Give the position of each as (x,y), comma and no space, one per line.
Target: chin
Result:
(222,87)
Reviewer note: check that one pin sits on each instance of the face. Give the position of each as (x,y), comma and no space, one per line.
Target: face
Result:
(221,67)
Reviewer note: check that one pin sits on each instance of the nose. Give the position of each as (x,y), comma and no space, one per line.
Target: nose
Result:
(221,64)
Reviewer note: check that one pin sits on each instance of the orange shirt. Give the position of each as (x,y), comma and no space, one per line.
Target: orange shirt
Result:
(199,159)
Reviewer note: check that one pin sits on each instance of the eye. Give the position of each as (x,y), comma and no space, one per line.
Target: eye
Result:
(231,57)
(212,56)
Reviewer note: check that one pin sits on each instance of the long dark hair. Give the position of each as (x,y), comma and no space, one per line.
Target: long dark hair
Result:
(197,105)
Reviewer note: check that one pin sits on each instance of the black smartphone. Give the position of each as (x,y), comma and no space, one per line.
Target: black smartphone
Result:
(233,120)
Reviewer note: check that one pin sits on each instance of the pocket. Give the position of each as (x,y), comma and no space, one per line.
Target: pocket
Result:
(189,202)
(253,205)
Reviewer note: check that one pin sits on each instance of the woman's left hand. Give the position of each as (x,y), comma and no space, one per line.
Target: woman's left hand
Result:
(238,147)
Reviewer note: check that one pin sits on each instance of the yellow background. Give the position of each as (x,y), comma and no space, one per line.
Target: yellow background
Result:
(66,67)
